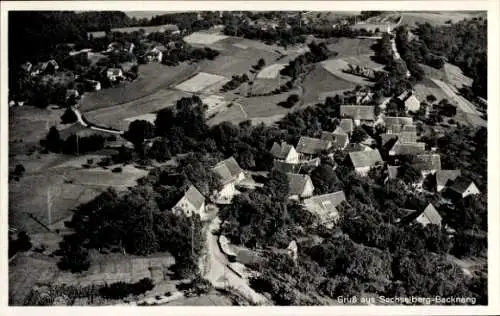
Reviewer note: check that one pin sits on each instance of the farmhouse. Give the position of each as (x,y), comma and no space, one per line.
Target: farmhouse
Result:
(299,186)
(285,152)
(231,174)
(362,161)
(463,187)
(338,138)
(443,176)
(401,148)
(347,125)
(325,207)
(192,202)
(114,74)
(308,147)
(359,113)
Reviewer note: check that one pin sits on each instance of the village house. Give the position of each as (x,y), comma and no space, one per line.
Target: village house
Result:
(299,186)
(347,125)
(129,47)
(284,152)
(462,187)
(358,113)
(193,202)
(338,138)
(308,147)
(412,104)
(443,176)
(401,148)
(114,74)
(363,161)
(231,174)
(325,207)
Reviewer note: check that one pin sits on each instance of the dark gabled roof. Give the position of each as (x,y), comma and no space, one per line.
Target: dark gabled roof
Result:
(358,112)
(347,125)
(400,148)
(281,151)
(460,184)
(297,183)
(396,120)
(339,140)
(367,158)
(443,176)
(228,170)
(311,146)
(194,197)
(426,162)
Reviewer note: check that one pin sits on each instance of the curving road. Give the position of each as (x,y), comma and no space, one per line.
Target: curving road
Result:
(216,269)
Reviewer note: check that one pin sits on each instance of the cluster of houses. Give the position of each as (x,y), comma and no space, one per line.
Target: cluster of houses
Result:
(401,136)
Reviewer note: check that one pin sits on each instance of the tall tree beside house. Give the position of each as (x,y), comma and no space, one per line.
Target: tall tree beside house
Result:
(408,173)
(358,135)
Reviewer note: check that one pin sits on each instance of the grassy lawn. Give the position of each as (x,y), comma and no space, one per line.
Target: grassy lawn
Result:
(116,116)
(152,77)
(320,81)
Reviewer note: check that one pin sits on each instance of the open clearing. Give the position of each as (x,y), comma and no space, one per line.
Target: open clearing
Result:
(115,116)
(27,125)
(262,86)
(265,106)
(200,82)
(346,47)
(202,38)
(335,67)
(104,269)
(449,73)
(271,71)
(428,87)
(236,61)
(152,77)
(364,61)
(33,193)
(453,97)
(321,81)
(234,114)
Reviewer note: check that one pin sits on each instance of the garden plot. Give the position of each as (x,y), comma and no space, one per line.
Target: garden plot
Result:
(200,82)
(271,71)
(234,114)
(203,38)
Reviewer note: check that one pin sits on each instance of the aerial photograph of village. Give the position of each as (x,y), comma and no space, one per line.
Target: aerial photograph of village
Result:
(247,158)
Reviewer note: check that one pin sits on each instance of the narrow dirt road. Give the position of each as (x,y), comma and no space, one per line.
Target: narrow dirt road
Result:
(216,268)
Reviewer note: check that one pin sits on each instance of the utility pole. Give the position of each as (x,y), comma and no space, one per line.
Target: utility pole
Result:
(77,145)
